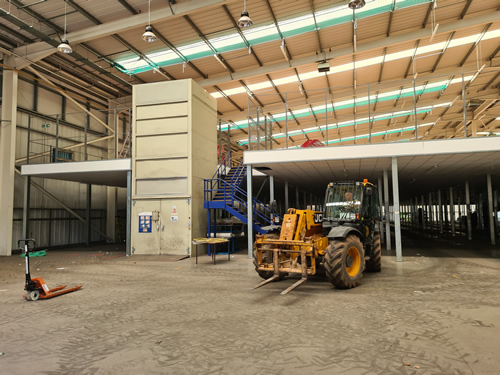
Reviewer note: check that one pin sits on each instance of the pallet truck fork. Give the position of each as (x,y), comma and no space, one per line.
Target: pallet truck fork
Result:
(36,288)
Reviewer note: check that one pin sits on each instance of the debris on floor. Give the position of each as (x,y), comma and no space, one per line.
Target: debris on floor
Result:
(40,253)
(407,364)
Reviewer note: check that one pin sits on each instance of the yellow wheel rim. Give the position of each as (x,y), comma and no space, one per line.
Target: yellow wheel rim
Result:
(353,261)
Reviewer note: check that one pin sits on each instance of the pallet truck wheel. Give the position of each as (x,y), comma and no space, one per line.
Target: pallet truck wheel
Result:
(34,295)
(27,296)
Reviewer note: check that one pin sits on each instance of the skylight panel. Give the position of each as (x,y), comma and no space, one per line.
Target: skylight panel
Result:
(298,25)
(227,43)
(261,34)
(284,81)
(163,56)
(193,51)
(290,27)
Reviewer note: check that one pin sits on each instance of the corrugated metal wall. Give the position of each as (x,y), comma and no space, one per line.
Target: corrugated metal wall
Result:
(50,224)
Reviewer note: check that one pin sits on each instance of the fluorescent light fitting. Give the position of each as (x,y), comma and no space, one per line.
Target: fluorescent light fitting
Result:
(218,58)
(434,32)
(476,74)
(283,49)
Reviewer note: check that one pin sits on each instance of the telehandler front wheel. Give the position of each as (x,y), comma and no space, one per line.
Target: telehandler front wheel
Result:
(374,264)
(344,262)
(267,257)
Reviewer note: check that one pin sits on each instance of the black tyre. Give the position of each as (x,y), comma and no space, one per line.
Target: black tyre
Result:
(374,264)
(267,257)
(344,262)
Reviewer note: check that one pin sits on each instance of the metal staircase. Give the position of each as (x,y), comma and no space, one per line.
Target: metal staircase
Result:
(224,191)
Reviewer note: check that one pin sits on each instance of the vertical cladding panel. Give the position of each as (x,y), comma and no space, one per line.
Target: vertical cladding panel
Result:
(49,103)
(25,94)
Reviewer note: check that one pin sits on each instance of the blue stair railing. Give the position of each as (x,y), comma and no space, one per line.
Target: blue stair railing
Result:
(223,195)
(223,191)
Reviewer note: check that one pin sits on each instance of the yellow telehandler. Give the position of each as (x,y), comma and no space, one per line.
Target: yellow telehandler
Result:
(344,239)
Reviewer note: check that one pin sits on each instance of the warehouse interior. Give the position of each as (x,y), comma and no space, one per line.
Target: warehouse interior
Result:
(134,132)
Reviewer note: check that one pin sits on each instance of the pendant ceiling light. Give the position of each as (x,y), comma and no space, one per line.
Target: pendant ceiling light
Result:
(356,4)
(64,46)
(148,35)
(245,20)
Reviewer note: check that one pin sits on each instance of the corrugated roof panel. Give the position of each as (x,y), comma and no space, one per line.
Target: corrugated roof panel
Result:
(408,19)
(302,45)
(240,60)
(286,9)
(337,36)
(371,27)
(269,52)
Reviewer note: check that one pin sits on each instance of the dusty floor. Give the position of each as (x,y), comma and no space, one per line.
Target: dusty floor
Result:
(437,312)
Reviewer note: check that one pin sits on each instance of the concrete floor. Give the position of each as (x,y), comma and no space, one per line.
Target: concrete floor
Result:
(434,313)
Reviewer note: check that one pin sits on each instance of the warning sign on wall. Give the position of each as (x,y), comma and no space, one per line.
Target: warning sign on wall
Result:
(145,222)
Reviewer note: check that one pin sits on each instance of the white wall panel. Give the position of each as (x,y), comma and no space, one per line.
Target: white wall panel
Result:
(63,229)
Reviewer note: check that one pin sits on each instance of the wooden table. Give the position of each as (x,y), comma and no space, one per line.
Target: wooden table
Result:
(212,241)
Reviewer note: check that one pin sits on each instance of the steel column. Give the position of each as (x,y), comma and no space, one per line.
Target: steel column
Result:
(369,117)
(467,205)
(249,211)
(287,204)
(8,155)
(56,153)
(115,139)
(286,120)
(88,215)
(397,222)
(464,106)
(129,214)
(326,118)
(26,207)
(422,211)
(430,216)
(495,208)
(452,212)
(490,209)
(386,211)
(415,109)
(381,202)
(440,212)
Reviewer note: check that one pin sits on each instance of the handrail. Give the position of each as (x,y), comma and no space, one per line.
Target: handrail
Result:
(235,193)
(240,170)
(224,164)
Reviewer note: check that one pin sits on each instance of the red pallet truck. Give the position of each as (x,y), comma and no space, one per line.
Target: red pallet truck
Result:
(36,288)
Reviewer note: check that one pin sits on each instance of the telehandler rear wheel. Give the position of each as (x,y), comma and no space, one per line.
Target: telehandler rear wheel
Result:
(344,262)
(267,257)
(374,264)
